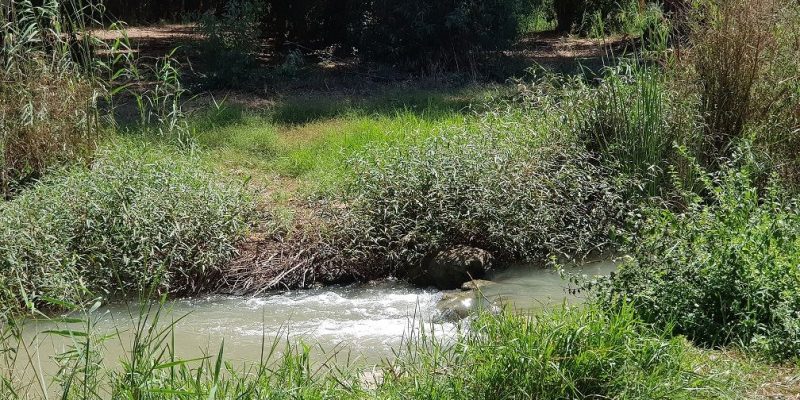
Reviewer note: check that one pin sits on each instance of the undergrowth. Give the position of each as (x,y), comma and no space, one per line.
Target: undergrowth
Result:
(522,189)
(48,89)
(137,219)
(565,353)
(723,271)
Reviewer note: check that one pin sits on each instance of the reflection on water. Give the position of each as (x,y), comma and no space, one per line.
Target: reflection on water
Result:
(362,323)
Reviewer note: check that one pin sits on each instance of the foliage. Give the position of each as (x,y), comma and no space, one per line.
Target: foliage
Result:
(723,271)
(778,96)
(517,187)
(315,24)
(634,120)
(154,11)
(600,16)
(536,16)
(232,42)
(761,88)
(566,353)
(160,104)
(137,219)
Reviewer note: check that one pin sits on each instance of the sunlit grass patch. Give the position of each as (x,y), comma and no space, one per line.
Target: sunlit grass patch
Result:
(314,152)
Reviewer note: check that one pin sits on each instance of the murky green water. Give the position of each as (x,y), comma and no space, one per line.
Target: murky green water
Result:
(526,288)
(362,323)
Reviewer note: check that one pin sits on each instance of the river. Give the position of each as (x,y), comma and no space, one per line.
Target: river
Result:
(362,324)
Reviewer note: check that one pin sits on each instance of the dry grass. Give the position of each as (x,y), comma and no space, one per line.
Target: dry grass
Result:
(48,94)
(47,119)
(735,43)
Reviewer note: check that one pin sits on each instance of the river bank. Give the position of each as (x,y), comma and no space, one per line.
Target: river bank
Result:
(338,204)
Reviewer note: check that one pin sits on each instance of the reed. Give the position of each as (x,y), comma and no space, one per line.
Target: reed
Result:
(49,87)
(629,123)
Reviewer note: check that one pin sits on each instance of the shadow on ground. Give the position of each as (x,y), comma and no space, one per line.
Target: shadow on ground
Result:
(324,90)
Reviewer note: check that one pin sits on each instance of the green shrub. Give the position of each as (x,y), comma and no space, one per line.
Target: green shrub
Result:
(315,24)
(536,16)
(137,219)
(518,190)
(723,271)
(760,90)
(599,17)
(564,354)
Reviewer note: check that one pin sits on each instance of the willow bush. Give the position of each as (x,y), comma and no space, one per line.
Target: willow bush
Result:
(137,219)
(515,188)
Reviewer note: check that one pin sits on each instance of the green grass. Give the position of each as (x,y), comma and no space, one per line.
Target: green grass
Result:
(309,140)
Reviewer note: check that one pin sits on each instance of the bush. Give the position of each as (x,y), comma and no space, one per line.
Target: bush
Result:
(412,33)
(600,16)
(136,220)
(315,24)
(721,272)
(536,16)
(46,119)
(563,354)
(519,191)
(759,90)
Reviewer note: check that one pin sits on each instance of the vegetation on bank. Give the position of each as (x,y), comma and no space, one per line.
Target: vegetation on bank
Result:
(138,219)
(645,151)
(48,93)
(565,353)
(516,184)
(724,270)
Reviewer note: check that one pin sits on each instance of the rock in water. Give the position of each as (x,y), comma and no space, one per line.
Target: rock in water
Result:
(477,284)
(456,306)
(450,268)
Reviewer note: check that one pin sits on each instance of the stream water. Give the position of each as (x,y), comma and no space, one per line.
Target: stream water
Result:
(363,324)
